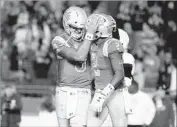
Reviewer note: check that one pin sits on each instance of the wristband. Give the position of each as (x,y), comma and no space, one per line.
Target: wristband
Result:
(89,36)
(108,89)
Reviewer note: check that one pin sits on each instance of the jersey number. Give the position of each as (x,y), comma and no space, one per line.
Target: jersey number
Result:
(81,68)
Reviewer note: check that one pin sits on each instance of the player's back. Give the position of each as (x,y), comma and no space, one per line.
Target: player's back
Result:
(70,73)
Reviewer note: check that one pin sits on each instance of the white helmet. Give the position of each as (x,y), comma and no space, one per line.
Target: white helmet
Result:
(105,25)
(114,26)
(124,38)
(74,20)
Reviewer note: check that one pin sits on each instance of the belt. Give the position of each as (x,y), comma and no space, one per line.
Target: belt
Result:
(79,90)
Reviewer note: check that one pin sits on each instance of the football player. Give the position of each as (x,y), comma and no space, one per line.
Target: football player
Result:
(129,67)
(128,62)
(107,65)
(73,93)
(128,59)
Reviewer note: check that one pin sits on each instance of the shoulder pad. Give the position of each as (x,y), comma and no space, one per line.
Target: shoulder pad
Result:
(58,42)
(128,58)
(112,45)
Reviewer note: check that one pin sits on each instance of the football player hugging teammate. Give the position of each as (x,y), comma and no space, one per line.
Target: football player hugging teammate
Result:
(74,78)
(107,65)
(111,70)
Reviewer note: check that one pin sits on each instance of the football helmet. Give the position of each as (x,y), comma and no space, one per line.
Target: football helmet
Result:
(114,26)
(123,38)
(105,26)
(74,20)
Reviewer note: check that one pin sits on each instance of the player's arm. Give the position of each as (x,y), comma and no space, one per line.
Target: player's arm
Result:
(62,49)
(117,66)
(114,54)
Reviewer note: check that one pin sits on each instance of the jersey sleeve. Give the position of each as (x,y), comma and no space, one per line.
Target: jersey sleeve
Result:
(115,46)
(58,43)
(112,46)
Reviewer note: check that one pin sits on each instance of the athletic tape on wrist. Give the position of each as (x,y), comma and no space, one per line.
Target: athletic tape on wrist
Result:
(89,36)
(109,88)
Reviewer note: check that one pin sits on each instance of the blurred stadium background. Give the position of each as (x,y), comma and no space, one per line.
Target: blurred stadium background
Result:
(27,28)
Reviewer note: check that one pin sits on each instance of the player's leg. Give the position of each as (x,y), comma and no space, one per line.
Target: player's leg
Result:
(96,119)
(107,122)
(80,118)
(116,108)
(63,122)
(60,99)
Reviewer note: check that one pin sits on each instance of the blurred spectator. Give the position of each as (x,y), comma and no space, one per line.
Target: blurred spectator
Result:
(40,29)
(83,4)
(13,11)
(124,14)
(30,8)
(14,66)
(101,8)
(11,107)
(151,66)
(149,36)
(140,15)
(171,39)
(23,16)
(155,7)
(143,108)
(165,115)
(42,62)
(171,28)
(166,70)
(17,71)
(23,37)
(169,11)
(156,22)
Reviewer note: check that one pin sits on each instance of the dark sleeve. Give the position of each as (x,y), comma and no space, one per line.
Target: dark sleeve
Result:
(127,70)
